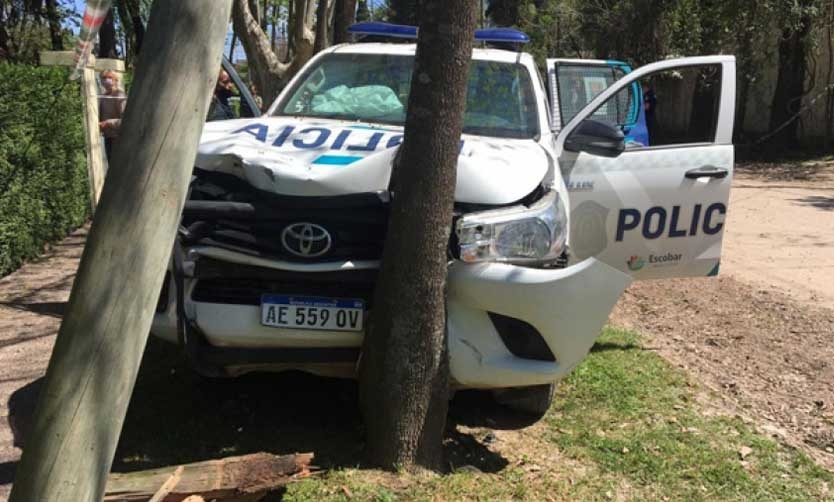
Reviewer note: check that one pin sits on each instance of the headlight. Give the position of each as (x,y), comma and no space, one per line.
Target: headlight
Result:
(517,234)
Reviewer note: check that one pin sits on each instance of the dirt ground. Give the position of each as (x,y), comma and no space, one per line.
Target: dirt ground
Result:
(760,336)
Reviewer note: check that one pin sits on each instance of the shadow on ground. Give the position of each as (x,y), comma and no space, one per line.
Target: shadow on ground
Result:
(817,201)
(178,417)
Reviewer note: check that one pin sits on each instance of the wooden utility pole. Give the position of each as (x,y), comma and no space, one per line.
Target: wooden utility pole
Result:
(96,357)
(404,370)
(89,97)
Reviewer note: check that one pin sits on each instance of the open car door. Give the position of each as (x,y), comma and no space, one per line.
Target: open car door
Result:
(654,210)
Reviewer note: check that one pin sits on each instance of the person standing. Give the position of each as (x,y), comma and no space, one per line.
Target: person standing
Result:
(220,107)
(111,107)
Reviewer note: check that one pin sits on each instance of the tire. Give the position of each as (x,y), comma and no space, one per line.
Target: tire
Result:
(534,400)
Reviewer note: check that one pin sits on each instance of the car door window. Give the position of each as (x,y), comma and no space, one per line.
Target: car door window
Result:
(680,106)
(579,84)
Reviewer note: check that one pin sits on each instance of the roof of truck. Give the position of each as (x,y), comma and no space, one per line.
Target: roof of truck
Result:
(499,55)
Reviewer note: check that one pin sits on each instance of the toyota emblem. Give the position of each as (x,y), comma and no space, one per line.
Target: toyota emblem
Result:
(306,240)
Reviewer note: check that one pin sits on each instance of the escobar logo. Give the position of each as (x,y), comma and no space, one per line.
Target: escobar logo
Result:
(636,263)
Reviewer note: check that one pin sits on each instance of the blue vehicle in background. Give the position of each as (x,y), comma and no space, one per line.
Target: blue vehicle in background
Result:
(576,82)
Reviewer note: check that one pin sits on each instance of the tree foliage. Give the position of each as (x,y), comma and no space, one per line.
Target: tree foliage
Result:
(30,26)
(43,175)
(642,31)
(309,25)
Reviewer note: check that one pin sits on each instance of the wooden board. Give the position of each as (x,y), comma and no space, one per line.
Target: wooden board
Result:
(244,478)
(67,58)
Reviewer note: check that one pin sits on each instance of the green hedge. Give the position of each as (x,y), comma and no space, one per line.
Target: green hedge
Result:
(43,174)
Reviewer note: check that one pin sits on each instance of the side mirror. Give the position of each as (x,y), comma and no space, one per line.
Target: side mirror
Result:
(596,138)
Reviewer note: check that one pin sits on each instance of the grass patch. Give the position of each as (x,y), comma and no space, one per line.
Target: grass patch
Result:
(631,414)
(628,428)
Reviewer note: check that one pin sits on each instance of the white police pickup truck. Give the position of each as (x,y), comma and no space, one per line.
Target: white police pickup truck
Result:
(555,214)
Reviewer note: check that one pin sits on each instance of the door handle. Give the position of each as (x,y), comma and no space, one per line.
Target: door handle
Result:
(707,172)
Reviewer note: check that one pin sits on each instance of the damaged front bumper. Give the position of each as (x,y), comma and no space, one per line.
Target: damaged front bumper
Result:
(507,325)
(566,308)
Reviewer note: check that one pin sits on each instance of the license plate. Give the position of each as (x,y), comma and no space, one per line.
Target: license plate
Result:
(312,312)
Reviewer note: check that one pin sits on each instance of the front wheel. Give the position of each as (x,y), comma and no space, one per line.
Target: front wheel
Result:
(531,400)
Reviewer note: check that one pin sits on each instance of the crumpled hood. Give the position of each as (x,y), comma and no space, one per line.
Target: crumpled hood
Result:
(313,157)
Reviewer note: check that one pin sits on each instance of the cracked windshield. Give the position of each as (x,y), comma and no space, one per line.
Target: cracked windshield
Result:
(374,88)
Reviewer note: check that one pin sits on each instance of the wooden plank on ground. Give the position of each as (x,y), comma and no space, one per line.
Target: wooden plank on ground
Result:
(238,479)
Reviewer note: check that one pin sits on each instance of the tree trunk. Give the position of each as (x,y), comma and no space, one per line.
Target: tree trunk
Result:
(362,11)
(127,28)
(138,26)
(290,42)
(274,20)
(829,79)
(94,364)
(321,26)
(403,11)
(131,20)
(5,50)
(404,369)
(268,72)
(107,37)
(790,83)
(54,20)
(345,16)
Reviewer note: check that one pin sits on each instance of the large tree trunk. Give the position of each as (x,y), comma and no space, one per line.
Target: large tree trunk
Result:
(404,368)
(96,357)
(54,20)
(107,38)
(790,82)
(345,16)
(268,72)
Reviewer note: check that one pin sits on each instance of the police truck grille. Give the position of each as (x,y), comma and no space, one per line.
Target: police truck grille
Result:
(226,212)
(275,238)
(225,282)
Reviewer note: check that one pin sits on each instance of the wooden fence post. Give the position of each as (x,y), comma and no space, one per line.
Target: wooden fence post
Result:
(93,367)
(89,98)
(92,136)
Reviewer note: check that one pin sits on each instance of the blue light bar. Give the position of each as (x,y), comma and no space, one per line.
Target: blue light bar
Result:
(375,28)
(503,35)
